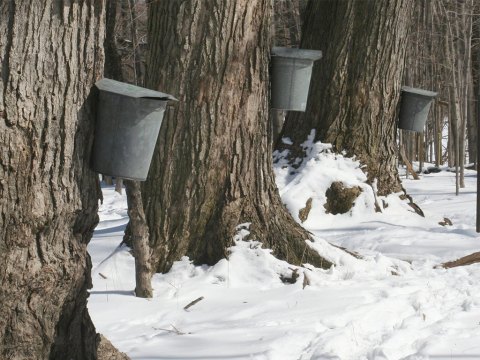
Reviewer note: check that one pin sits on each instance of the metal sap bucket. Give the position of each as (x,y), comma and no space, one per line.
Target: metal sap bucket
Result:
(127,125)
(291,73)
(414,108)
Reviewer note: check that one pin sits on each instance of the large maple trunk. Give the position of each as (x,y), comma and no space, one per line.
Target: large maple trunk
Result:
(51,54)
(356,86)
(212,170)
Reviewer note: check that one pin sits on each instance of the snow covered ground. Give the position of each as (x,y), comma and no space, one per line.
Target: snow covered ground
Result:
(392,304)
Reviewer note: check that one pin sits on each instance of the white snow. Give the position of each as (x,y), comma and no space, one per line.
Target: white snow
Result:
(392,304)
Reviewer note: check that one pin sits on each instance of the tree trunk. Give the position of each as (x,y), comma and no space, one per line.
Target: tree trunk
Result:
(118,185)
(421,151)
(212,170)
(113,61)
(51,54)
(471,123)
(286,28)
(423,53)
(466,29)
(355,87)
(138,233)
(137,73)
(476,82)
(454,96)
(130,35)
(287,24)
(108,180)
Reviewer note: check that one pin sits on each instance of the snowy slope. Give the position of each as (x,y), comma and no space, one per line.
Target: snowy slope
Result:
(381,307)
(397,231)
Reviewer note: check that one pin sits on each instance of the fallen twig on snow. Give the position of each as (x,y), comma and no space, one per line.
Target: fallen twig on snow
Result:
(175,330)
(193,303)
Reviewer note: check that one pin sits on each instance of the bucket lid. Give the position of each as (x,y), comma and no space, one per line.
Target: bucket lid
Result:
(419,91)
(130,90)
(295,53)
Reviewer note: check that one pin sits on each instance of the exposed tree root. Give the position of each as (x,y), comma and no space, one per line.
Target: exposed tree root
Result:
(414,206)
(351,252)
(463,261)
(106,351)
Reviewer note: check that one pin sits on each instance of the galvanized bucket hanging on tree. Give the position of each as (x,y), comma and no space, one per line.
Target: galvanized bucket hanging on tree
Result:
(414,108)
(291,73)
(126,130)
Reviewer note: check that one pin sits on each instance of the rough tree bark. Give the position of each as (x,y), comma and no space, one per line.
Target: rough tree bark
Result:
(213,170)
(287,24)
(137,235)
(51,53)
(356,85)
